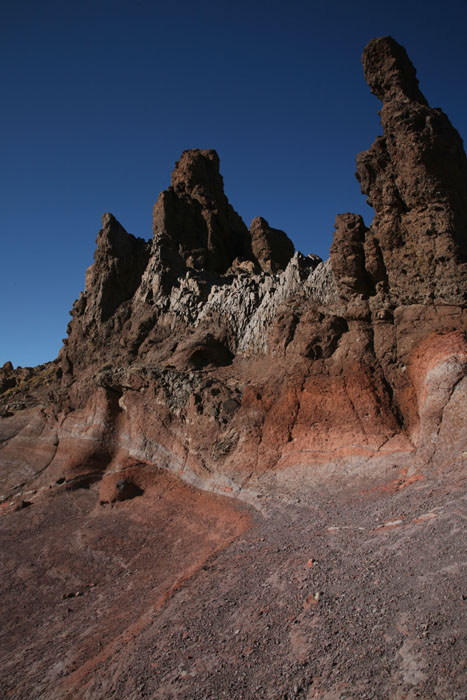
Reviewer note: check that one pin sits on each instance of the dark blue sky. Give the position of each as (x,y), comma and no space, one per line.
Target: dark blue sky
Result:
(100,98)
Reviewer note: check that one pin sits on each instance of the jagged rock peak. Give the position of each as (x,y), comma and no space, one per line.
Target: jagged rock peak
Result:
(196,218)
(119,262)
(389,71)
(114,238)
(415,178)
(197,174)
(272,247)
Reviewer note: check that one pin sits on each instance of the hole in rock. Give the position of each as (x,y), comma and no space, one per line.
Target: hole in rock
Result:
(82,481)
(126,490)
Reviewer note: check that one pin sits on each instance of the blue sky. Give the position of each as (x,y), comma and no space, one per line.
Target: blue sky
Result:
(100,98)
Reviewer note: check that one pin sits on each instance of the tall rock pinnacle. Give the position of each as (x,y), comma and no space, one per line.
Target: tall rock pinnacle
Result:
(389,71)
(195,215)
(415,178)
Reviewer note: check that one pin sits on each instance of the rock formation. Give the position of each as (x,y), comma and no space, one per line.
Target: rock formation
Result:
(232,354)
(223,356)
(196,217)
(415,178)
(272,248)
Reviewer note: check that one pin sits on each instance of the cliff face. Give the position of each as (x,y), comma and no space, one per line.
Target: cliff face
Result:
(219,353)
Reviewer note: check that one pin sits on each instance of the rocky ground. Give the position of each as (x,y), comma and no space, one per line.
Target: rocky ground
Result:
(353,589)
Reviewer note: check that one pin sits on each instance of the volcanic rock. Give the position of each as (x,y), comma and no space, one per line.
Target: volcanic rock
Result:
(7,377)
(329,347)
(119,263)
(126,490)
(347,256)
(415,177)
(329,397)
(272,247)
(196,217)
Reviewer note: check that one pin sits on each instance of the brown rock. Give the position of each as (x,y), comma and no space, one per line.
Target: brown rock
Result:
(8,377)
(415,176)
(166,354)
(347,256)
(119,263)
(389,71)
(331,396)
(272,248)
(195,215)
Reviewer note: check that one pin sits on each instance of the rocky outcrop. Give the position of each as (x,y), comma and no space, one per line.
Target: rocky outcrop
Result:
(196,217)
(8,377)
(25,387)
(218,352)
(415,178)
(271,247)
(348,257)
(330,396)
(119,263)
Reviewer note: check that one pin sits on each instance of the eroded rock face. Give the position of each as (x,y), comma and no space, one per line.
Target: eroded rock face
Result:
(196,217)
(272,247)
(119,263)
(218,352)
(348,256)
(415,177)
(389,71)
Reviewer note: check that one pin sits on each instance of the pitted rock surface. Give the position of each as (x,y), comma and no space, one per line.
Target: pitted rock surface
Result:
(209,295)
(415,177)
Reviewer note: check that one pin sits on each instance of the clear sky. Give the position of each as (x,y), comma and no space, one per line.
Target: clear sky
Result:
(99,98)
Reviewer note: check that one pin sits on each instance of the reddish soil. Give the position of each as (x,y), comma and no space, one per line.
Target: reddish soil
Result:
(355,589)
(82,580)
